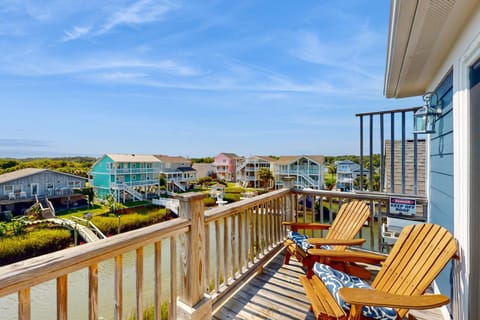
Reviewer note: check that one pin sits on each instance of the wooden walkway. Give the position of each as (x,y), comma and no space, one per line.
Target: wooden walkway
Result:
(277,294)
(274,294)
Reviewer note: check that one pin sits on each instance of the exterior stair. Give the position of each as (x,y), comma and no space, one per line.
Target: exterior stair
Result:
(135,194)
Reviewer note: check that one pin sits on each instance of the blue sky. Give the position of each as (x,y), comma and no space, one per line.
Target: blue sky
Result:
(190,78)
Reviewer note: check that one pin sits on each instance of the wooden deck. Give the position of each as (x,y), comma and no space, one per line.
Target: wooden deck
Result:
(277,294)
(274,294)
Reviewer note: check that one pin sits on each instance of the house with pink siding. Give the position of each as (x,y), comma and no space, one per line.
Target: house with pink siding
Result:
(225,166)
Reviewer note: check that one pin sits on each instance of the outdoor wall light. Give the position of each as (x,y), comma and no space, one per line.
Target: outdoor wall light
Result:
(424,118)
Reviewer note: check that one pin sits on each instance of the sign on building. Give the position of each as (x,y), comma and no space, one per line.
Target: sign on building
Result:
(403,206)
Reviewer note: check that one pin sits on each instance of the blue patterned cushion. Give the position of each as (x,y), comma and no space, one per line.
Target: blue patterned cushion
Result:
(334,280)
(301,240)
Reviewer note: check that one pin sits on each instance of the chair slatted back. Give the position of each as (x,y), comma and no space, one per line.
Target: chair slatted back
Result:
(348,222)
(418,256)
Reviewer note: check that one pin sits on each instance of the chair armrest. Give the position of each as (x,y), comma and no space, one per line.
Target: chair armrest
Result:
(301,225)
(370,297)
(334,242)
(348,256)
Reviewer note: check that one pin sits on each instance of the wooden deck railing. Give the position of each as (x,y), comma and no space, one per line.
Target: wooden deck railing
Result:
(217,251)
(320,206)
(243,236)
(22,276)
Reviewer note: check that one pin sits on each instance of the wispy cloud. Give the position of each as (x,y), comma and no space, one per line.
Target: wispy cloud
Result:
(8,143)
(122,76)
(47,66)
(353,53)
(75,33)
(140,12)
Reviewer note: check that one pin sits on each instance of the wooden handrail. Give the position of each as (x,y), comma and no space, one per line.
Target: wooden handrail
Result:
(232,208)
(28,273)
(242,235)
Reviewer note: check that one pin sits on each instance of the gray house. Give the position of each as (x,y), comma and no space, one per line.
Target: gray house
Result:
(19,188)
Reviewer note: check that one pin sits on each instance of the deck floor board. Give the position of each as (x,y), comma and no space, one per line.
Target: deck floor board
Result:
(276,293)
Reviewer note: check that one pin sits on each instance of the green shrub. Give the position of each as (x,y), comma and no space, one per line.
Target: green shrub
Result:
(231,197)
(149,313)
(209,202)
(108,224)
(32,244)
(234,190)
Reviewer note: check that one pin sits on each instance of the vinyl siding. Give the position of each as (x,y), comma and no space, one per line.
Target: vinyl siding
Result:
(441,173)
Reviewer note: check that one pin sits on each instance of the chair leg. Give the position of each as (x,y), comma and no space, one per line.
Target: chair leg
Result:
(287,257)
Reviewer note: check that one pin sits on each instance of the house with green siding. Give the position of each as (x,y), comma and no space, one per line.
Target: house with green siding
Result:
(125,176)
(136,177)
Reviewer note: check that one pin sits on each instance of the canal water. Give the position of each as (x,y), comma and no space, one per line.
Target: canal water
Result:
(43,296)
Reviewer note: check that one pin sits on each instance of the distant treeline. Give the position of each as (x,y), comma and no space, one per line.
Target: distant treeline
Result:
(330,160)
(74,165)
(202,160)
(81,165)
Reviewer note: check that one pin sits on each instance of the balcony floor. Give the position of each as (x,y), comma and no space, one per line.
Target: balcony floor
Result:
(277,294)
(274,294)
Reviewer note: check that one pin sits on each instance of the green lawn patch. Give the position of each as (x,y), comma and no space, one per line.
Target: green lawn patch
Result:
(108,223)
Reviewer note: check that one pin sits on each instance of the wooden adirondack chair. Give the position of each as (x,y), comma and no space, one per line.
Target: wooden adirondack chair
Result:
(417,257)
(341,233)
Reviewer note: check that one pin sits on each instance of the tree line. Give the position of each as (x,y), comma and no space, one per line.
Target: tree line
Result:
(73,165)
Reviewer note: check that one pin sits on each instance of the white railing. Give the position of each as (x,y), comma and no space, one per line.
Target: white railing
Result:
(169,203)
(133,170)
(132,191)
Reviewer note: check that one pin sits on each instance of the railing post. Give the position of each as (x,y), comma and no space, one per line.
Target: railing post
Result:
(288,183)
(193,303)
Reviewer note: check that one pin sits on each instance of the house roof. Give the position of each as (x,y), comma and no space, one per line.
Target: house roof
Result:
(289,159)
(264,158)
(203,169)
(230,155)
(421,34)
(171,159)
(421,166)
(22,173)
(132,157)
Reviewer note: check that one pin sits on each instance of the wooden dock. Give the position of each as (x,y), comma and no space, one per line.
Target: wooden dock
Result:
(276,293)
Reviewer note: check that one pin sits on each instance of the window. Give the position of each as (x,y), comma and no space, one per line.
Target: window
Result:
(8,189)
(109,165)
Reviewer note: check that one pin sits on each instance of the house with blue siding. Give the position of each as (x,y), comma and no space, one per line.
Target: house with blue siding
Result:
(130,177)
(347,172)
(177,171)
(306,171)
(434,46)
(125,176)
(20,189)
